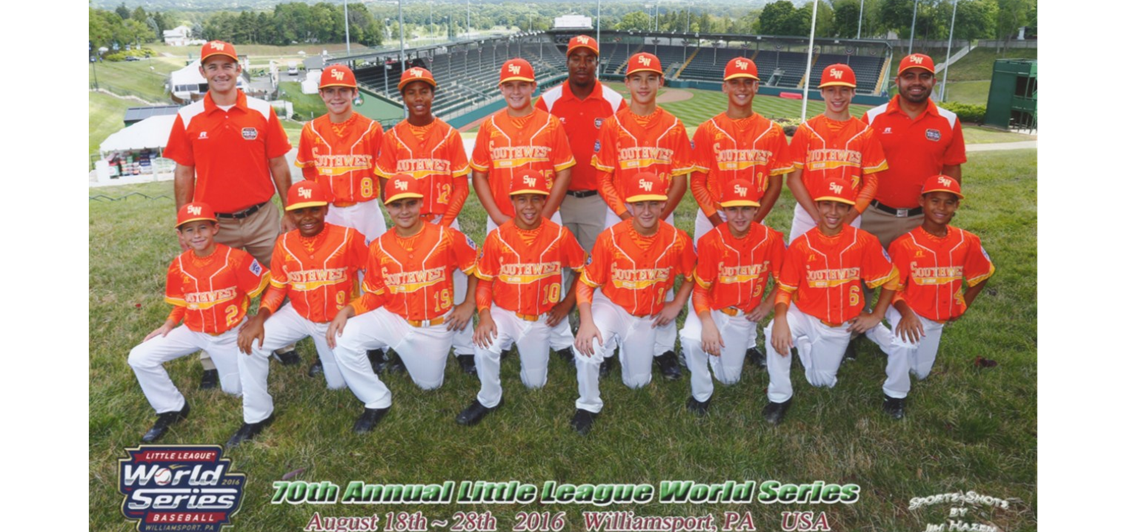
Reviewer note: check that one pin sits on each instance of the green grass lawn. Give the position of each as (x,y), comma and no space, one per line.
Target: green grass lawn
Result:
(144,78)
(978,64)
(966,428)
(705,104)
(104,117)
(985,135)
(970,92)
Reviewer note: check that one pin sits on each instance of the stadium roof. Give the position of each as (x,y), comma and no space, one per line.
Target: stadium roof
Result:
(137,114)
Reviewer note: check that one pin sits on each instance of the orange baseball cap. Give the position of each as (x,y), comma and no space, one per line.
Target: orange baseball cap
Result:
(306,193)
(337,76)
(583,41)
(740,193)
(838,74)
(517,70)
(416,74)
(643,62)
(527,181)
(942,183)
(193,212)
(921,61)
(838,190)
(218,48)
(646,186)
(740,67)
(402,186)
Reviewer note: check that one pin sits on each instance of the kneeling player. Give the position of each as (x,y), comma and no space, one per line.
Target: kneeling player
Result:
(932,262)
(406,300)
(820,302)
(520,271)
(316,265)
(735,260)
(634,263)
(210,286)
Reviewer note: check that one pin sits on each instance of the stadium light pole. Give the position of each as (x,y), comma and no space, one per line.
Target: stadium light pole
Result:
(597,37)
(809,54)
(347,11)
(948,47)
(861,9)
(401,26)
(468,21)
(912,24)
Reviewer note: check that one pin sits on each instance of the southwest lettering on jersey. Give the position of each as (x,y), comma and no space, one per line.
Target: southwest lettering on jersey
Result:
(310,279)
(340,164)
(518,152)
(743,274)
(831,277)
(833,158)
(736,156)
(935,276)
(202,300)
(414,280)
(639,278)
(423,167)
(527,273)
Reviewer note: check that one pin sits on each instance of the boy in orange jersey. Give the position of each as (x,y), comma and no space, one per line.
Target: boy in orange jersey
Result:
(339,150)
(734,261)
(833,145)
(518,137)
(518,295)
(820,301)
(210,285)
(316,265)
(406,301)
(644,138)
(634,263)
(933,262)
(431,151)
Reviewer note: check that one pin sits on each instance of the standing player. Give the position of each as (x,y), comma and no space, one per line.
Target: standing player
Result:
(338,150)
(519,137)
(210,286)
(833,146)
(734,261)
(920,139)
(645,138)
(230,153)
(407,297)
(820,301)
(933,262)
(582,104)
(518,295)
(316,266)
(634,264)
(430,150)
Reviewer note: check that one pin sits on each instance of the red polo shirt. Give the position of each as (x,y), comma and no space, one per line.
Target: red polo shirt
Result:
(582,120)
(916,149)
(229,150)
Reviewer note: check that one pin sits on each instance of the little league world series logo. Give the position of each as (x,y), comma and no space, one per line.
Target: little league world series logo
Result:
(179,487)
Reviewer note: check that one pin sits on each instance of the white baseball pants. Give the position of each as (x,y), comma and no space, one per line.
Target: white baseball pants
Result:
(532,341)
(820,348)
(635,338)
(147,359)
(422,349)
(365,216)
(728,366)
(904,357)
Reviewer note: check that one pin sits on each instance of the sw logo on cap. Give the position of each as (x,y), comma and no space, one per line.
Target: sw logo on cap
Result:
(194,210)
(916,59)
(530,181)
(644,60)
(646,185)
(742,65)
(945,181)
(740,191)
(415,72)
(582,39)
(305,192)
(836,188)
(337,74)
(216,45)
(515,69)
(401,185)
(836,74)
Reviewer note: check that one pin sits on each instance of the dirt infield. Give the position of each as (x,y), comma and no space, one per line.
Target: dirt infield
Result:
(673,95)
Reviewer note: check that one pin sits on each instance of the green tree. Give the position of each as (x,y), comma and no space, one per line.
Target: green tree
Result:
(634,20)
(846,19)
(123,12)
(782,18)
(99,31)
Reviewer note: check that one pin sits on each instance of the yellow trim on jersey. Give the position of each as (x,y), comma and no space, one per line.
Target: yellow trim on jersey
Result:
(483,276)
(461,172)
(587,279)
(892,276)
(260,288)
(682,171)
(277,284)
(600,166)
(980,278)
(566,165)
(783,170)
(702,283)
(306,164)
(176,302)
(880,168)
(478,167)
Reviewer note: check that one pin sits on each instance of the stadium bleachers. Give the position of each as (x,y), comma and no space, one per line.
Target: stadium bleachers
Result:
(866,69)
(708,64)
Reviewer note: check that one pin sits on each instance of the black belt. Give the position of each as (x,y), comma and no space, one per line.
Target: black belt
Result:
(242,214)
(900,213)
(582,193)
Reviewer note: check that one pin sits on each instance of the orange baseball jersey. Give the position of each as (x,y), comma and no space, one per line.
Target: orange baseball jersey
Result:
(583,119)
(824,273)
(434,155)
(212,293)
(630,144)
(318,274)
(825,148)
(751,148)
(536,141)
(525,266)
(636,271)
(732,272)
(413,277)
(932,270)
(341,156)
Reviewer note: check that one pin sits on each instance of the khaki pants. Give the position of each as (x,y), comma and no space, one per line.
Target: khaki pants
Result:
(888,227)
(585,218)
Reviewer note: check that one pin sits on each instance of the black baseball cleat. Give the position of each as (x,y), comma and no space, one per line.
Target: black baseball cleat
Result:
(698,407)
(376,360)
(247,432)
(165,420)
(606,366)
(757,358)
(668,364)
(582,421)
(368,419)
(895,408)
(505,354)
(475,412)
(396,365)
(468,364)
(851,352)
(315,368)
(289,358)
(567,355)
(774,412)
(209,380)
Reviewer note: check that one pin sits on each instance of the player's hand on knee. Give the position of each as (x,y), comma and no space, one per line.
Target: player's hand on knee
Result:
(588,332)
(461,316)
(485,331)
(248,334)
(161,331)
(668,314)
(558,313)
(864,322)
(910,328)
(760,311)
(335,329)
(781,339)
(712,341)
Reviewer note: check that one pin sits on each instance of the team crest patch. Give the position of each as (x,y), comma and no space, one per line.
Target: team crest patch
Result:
(470,242)
(599,122)
(933,134)
(179,487)
(887,255)
(255,267)
(249,133)
(986,254)
(597,147)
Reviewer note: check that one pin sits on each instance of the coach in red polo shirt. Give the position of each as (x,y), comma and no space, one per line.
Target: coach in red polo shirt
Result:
(230,153)
(920,140)
(582,103)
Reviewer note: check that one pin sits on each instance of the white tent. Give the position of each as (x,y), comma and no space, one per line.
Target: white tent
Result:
(151,133)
